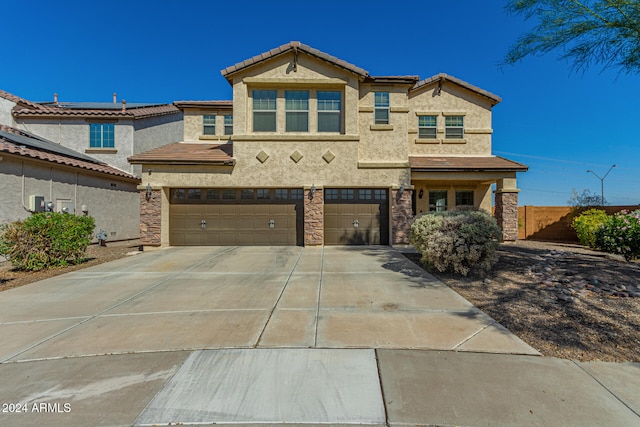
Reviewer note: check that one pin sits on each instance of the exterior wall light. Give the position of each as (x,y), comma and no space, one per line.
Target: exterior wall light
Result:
(148,193)
(312,191)
(421,193)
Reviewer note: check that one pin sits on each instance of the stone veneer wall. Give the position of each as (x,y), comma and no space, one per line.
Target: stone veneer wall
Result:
(150,217)
(313,218)
(401,217)
(506,213)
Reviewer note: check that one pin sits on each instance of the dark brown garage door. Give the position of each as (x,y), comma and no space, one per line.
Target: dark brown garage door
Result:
(356,216)
(260,217)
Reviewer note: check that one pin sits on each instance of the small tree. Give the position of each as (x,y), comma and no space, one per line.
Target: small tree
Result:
(584,199)
(587,223)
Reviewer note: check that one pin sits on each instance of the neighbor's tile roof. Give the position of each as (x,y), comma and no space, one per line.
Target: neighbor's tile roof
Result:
(495,99)
(209,104)
(14,141)
(489,163)
(95,110)
(17,99)
(184,153)
(287,48)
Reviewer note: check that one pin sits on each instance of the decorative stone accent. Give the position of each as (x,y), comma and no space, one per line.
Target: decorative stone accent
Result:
(313,218)
(262,156)
(328,156)
(296,156)
(150,217)
(506,212)
(401,217)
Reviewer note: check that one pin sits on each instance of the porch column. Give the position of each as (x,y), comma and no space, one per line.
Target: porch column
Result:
(507,208)
(401,217)
(150,217)
(313,217)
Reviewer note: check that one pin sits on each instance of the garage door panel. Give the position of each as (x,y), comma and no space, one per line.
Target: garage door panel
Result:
(371,216)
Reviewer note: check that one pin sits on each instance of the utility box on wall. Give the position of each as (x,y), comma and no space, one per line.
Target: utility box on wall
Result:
(36,203)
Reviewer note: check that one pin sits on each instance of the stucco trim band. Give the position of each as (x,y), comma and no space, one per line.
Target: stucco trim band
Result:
(383,165)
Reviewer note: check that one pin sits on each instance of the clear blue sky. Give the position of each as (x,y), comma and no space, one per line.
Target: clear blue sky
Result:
(558,122)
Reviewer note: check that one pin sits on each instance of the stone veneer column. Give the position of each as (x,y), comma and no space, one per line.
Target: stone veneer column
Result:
(507,213)
(401,217)
(313,218)
(150,218)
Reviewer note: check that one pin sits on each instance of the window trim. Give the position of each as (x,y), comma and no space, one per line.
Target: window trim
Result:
(448,127)
(207,128)
(327,112)
(287,110)
(432,128)
(273,111)
(228,127)
(110,135)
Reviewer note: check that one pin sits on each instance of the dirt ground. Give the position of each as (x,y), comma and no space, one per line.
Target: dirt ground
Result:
(564,300)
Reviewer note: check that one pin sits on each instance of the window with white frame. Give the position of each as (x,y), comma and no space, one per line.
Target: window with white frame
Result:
(329,110)
(381,108)
(264,110)
(101,135)
(228,125)
(454,127)
(296,105)
(464,198)
(208,125)
(427,127)
(437,200)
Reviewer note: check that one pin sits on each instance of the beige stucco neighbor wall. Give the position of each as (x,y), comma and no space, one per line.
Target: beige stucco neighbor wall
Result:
(5,112)
(112,202)
(452,100)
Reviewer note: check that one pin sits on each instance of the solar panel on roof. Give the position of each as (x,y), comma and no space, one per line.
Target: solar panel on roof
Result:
(43,144)
(102,105)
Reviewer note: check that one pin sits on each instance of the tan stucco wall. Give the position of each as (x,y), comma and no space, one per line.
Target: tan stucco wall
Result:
(193,125)
(452,100)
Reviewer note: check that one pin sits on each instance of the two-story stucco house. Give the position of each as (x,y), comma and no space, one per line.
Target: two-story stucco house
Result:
(107,131)
(313,150)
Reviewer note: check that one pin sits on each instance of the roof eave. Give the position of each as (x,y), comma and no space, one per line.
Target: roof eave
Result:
(231,162)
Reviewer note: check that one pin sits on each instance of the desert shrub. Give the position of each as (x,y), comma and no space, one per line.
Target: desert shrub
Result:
(586,225)
(457,241)
(620,235)
(45,240)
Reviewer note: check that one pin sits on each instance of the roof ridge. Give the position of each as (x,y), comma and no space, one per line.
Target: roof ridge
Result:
(447,77)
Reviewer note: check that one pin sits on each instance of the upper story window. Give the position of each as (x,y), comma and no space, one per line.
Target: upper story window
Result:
(381,108)
(329,111)
(264,110)
(454,127)
(101,135)
(228,125)
(297,110)
(208,125)
(427,127)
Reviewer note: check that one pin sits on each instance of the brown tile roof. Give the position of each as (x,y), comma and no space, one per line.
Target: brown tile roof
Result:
(17,99)
(14,141)
(467,164)
(209,104)
(95,110)
(495,99)
(182,153)
(227,72)
(412,80)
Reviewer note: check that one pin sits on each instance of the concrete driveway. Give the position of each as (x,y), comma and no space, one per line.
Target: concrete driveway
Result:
(313,336)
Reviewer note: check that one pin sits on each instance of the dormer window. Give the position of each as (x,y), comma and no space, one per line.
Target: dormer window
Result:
(381,108)
(297,110)
(264,110)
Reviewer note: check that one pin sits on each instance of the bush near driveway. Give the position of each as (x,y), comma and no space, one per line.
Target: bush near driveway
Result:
(586,225)
(46,239)
(459,241)
(620,234)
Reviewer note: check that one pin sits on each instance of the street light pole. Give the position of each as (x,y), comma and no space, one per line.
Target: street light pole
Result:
(602,183)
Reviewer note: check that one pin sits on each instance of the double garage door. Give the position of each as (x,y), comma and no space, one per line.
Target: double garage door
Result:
(203,217)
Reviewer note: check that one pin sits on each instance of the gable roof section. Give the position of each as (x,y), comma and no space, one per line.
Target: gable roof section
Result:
(465,164)
(21,143)
(183,153)
(495,99)
(96,110)
(289,47)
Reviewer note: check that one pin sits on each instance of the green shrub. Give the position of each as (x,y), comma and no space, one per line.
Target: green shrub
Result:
(460,241)
(45,240)
(621,235)
(586,225)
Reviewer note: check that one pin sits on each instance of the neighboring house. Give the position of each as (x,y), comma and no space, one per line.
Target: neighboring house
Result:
(314,150)
(109,132)
(37,175)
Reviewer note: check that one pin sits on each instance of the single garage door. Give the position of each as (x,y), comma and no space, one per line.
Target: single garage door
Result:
(356,216)
(260,217)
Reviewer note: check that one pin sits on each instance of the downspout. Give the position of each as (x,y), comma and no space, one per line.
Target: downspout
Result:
(75,196)
(23,185)
(51,185)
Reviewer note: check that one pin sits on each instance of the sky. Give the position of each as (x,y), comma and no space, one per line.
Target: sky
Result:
(558,121)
